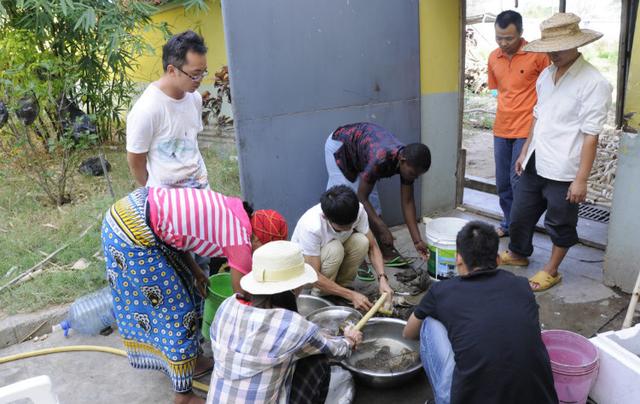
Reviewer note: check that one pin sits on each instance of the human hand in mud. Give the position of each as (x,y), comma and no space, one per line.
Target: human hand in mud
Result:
(360,301)
(383,286)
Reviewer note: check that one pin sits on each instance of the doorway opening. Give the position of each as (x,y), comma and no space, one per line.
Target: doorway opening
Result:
(480,102)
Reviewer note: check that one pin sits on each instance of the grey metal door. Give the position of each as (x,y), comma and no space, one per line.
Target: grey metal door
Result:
(301,68)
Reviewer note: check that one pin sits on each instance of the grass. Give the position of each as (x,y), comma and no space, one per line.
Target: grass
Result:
(30,230)
(478,120)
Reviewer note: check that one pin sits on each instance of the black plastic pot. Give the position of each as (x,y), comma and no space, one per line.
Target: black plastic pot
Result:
(28,110)
(75,122)
(82,127)
(4,114)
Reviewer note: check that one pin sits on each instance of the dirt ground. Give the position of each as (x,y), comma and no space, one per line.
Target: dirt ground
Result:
(479,146)
(580,303)
(477,135)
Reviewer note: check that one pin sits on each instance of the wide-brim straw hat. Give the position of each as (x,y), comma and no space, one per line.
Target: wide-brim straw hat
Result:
(278,266)
(561,32)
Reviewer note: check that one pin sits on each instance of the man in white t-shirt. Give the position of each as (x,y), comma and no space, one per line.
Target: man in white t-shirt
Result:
(335,238)
(163,125)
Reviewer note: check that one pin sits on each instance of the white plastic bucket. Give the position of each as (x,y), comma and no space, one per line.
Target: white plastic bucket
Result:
(441,238)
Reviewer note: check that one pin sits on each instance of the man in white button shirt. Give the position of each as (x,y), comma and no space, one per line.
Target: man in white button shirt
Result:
(555,162)
(335,238)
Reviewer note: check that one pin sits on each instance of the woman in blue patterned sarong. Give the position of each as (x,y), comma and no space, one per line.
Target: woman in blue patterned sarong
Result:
(148,238)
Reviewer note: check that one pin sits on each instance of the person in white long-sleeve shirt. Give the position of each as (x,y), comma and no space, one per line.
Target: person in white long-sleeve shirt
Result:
(555,162)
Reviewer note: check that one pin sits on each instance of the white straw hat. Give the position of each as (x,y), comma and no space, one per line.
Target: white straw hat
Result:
(561,32)
(277,266)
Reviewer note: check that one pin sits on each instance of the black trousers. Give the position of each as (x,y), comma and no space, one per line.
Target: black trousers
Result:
(310,383)
(533,196)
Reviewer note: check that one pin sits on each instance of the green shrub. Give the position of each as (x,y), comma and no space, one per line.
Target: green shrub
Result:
(99,39)
(64,81)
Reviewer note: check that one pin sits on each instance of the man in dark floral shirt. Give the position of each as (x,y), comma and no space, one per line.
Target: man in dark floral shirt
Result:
(360,154)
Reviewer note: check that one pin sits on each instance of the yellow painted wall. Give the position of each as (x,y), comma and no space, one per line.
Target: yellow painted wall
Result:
(632,93)
(208,24)
(439,45)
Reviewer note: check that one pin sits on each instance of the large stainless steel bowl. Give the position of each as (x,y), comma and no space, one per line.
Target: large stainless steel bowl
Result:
(384,331)
(330,319)
(309,303)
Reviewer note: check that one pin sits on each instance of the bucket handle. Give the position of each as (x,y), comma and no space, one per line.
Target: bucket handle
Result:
(436,240)
(426,220)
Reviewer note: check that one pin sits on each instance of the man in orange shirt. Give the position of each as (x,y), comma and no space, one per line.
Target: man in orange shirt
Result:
(513,72)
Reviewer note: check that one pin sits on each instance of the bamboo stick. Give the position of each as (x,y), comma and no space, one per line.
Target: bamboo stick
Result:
(371,312)
(632,304)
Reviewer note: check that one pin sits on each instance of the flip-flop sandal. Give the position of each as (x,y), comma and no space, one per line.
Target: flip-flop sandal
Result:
(502,232)
(507,259)
(399,261)
(544,281)
(365,275)
(400,264)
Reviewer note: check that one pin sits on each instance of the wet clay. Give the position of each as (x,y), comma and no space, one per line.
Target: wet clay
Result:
(380,358)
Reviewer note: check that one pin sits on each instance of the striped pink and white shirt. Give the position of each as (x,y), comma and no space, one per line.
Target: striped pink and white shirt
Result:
(203,222)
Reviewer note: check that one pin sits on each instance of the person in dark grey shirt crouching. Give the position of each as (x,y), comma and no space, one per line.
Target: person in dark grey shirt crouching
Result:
(479,332)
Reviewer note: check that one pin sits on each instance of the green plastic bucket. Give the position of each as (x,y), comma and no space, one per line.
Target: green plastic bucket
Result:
(441,239)
(219,289)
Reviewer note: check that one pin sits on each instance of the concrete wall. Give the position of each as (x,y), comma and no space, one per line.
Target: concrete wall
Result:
(623,255)
(632,95)
(208,24)
(299,69)
(439,95)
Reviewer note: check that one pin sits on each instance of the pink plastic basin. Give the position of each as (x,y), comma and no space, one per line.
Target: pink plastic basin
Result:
(574,363)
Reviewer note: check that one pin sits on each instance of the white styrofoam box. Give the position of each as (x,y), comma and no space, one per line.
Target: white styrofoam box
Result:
(618,380)
(37,389)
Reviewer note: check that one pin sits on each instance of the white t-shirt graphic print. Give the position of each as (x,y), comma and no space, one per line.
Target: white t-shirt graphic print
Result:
(167,130)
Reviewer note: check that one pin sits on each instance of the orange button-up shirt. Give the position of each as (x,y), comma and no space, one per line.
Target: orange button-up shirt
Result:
(515,81)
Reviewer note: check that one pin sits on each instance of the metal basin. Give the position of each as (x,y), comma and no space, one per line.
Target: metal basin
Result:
(379,332)
(329,319)
(309,303)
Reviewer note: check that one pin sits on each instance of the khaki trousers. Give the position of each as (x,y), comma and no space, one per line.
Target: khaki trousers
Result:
(339,262)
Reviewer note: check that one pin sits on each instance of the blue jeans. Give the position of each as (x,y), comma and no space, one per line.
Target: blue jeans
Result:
(337,178)
(506,152)
(437,358)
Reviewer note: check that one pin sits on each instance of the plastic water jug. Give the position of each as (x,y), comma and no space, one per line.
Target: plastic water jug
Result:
(90,314)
